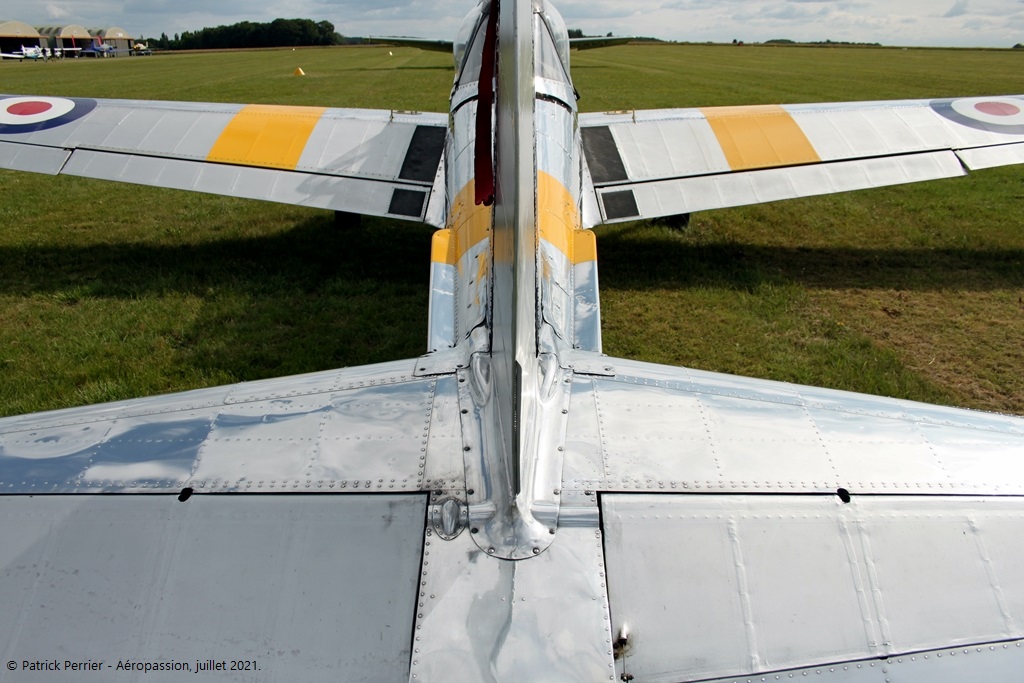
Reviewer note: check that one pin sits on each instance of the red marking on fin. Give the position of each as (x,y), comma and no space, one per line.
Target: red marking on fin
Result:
(483,148)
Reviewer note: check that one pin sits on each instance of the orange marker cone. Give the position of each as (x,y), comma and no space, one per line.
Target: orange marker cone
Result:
(299,72)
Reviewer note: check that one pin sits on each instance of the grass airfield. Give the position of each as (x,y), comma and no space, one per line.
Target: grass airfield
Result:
(111,291)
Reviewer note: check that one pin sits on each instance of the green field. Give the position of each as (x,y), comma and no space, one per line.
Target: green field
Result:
(112,291)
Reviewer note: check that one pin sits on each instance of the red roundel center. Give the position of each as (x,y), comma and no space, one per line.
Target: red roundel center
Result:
(997,108)
(29,108)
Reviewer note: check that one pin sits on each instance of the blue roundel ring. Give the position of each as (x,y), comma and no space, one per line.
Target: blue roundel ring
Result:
(22,114)
(991,114)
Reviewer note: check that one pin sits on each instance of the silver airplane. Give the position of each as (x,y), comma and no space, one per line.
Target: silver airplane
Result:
(513,505)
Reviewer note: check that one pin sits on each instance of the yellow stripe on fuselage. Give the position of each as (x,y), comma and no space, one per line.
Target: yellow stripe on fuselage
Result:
(759,137)
(440,243)
(468,224)
(266,135)
(558,220)
(584,246)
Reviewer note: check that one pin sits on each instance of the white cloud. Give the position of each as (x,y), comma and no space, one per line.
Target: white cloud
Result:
(57,13)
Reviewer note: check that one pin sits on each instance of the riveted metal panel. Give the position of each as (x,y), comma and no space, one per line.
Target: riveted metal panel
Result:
(317,382)
(364,429)
(311,588)
(586,306)
(753,584)
(441,459)
(477,615)
(441,326)
(557,290)
(983,662)
(663,428)
(584,455)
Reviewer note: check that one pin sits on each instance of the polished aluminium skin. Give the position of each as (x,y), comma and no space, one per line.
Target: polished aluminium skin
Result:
(513,505)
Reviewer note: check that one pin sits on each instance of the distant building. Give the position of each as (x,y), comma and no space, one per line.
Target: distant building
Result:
(114,37)
(15,34)
(95,41)
(66,37)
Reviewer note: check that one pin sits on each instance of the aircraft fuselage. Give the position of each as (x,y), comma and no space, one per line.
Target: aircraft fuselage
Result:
(514,273)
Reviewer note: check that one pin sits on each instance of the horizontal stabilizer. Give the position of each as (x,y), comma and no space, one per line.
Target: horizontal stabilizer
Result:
(318,433)
(755,527)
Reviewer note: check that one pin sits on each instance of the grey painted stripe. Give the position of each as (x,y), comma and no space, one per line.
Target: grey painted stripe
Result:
(603,156)
(620,204)
(407,203)
(424,154)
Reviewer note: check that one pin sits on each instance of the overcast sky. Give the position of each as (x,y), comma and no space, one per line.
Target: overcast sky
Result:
(998,23)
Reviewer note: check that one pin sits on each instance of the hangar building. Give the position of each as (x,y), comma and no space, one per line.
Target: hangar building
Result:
(71,36)
(114,36)
(14,34)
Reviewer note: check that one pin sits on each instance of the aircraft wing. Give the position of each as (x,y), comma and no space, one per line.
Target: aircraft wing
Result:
(382,163)
(647,164)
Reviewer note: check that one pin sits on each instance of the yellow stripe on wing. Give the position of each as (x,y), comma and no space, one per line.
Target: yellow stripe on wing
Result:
(759,137)
(266,135)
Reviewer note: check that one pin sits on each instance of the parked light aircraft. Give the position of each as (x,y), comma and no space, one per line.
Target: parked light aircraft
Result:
(32,52)
(513,505)
(100,49)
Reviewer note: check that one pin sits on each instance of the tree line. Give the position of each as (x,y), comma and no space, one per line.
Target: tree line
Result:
(277,33)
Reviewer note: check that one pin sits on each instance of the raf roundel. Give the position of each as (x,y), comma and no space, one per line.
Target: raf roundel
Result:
(32,114)
(992,114)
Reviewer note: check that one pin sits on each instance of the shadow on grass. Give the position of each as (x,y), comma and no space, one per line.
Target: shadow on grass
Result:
(399,68)
(318,296)
(310,255)
(317,257)
(312,298)
(626,261)
(425,68)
